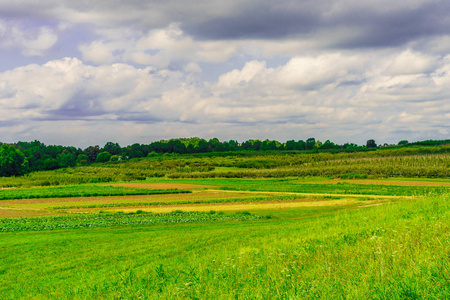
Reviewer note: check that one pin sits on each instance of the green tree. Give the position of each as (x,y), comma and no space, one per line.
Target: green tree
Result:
(66,159)
(103,156)
(12,161)
(82,159)
(113,148)
(310,143)
(92,152)
(371,144)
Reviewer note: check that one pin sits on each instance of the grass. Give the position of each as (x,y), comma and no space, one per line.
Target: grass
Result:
(274,238)
(395,251)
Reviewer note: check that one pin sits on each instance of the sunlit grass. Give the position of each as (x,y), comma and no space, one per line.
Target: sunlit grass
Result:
(393,251)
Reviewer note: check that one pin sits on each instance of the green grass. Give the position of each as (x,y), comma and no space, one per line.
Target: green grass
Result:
(395,251)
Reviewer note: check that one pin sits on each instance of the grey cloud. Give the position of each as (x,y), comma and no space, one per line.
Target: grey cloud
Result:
(81,105)
(262,22)
(363,26)
(395,28)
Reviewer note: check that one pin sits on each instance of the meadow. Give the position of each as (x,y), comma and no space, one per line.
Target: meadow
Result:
(231,227)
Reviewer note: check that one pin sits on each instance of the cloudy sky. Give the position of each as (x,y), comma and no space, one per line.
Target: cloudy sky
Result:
(87,72)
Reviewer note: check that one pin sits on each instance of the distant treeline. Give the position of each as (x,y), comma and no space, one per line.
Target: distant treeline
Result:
(24,157)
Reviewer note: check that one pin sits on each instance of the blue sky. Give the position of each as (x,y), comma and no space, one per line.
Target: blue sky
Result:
(83,73)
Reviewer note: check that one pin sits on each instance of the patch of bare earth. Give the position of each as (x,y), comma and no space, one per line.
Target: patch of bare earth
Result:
(25,213)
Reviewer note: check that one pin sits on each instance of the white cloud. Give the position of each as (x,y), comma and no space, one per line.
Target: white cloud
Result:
(97,52)
(409,62)
(30,43)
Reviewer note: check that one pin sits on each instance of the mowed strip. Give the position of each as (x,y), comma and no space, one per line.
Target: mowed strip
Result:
(238,206)
(52,202)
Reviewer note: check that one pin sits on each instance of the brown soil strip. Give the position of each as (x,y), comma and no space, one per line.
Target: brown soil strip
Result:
(26,213)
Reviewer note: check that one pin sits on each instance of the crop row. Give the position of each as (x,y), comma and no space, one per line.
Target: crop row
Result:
(119,219)
(158,203)
(80,191)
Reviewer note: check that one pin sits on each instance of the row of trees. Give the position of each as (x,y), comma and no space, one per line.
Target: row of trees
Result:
(23,157)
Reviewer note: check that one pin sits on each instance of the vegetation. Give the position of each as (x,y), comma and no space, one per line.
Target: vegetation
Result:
(414,161)
(80,191)
(395,251)
(35,156)
(78,221)
(266,223)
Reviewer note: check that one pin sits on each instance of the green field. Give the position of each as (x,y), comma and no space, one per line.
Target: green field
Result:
(358,236)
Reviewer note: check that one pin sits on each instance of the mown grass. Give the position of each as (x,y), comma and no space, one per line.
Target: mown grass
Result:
(393,251)
(179,202)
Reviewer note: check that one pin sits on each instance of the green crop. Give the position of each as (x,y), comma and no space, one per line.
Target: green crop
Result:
(80,191)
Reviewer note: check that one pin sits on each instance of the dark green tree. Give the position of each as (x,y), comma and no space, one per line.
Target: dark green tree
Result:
(371,144)
(66,159)
(92,152)
(310,143)
(12,161)
(113,148)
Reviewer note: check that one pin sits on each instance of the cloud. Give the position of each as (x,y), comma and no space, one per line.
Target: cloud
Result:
(159,47)
(343,69)
(29,42)
(409,62)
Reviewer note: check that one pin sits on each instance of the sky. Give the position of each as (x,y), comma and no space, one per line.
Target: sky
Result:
(84,73)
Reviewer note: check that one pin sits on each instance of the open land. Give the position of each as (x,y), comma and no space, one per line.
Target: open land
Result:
(209,237)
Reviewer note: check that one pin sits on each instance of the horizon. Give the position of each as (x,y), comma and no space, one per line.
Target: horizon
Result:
(222,141)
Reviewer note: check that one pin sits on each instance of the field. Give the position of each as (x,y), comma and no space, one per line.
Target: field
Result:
(197,235)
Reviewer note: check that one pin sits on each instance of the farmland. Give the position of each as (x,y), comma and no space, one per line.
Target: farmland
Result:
(260,226)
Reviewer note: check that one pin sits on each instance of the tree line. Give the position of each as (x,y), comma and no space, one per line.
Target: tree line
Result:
(23,157)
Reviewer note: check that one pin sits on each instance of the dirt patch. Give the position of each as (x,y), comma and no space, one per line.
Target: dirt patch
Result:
(25,213)
(161,186)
